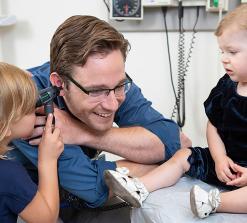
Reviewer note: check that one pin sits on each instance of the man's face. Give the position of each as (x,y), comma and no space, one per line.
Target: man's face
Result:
(99,72)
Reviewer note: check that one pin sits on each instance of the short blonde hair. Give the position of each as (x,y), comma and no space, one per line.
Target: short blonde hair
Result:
(237,17)
(18,95)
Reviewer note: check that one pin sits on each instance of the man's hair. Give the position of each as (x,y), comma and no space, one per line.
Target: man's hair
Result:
(237,17)
(18,95)
(79,37)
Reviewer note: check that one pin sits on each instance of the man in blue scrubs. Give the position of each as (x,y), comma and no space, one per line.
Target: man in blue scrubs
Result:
(87,61)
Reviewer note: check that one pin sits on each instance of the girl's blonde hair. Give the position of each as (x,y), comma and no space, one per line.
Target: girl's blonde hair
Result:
(18,97)
(237,17)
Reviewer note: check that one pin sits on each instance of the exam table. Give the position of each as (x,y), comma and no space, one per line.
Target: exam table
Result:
(172,205)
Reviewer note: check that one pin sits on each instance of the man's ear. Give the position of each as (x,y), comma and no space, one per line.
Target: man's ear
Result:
(56,80)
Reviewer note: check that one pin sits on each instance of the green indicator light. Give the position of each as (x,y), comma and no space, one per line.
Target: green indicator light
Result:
(45,97)
(216,3)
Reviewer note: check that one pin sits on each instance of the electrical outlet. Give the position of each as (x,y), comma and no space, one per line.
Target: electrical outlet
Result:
(217,5)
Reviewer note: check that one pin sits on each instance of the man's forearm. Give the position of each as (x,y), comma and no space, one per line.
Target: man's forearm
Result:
(134,143)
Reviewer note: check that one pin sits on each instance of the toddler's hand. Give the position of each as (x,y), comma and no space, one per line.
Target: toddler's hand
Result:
(51,145)
(223,169)
(241,179)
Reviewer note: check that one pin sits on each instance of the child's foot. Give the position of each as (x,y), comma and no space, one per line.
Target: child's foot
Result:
(129,189)
(202,202)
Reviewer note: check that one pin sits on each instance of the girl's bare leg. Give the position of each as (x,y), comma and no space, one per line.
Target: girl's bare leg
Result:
(168,173)
(234,201)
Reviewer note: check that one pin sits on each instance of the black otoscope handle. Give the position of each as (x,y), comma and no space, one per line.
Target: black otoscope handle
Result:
(49,108)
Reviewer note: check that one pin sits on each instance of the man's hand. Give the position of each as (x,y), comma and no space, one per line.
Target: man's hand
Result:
(71,129)
(39,125)
(223,168)
(241,176)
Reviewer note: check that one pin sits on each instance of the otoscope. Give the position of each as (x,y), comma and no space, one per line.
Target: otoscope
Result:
(46,97)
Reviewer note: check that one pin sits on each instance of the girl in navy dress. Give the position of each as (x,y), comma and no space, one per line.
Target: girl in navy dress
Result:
(18,194)
(224,162)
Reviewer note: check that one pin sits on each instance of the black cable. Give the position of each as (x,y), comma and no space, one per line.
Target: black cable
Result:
(164,10)
(107,6)
(181,85)
(180,15)
(182,69)
(179,106)
(192,40)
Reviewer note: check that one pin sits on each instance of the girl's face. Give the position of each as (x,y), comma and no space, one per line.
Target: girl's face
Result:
(23,128)
(233,44)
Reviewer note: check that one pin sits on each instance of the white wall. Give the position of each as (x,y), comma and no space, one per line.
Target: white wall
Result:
(26,44)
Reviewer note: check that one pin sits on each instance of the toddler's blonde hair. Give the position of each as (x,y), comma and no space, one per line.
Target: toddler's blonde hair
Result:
(18,97)
(236,17)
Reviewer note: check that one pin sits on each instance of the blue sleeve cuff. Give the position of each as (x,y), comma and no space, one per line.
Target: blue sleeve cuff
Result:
(168,132)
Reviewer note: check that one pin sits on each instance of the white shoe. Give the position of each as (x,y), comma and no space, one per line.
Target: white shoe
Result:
(202,202)
(129,189)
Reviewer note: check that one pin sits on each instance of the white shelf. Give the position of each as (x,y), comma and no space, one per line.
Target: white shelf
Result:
(7,20)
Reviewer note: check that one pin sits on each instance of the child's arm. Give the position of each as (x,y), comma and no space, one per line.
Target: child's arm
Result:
(223,164)
(45,205)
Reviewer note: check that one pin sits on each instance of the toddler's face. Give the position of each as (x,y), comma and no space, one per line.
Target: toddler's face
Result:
(24,127)
(233,45)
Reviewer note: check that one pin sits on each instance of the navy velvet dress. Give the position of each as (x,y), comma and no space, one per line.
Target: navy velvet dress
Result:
(227,111)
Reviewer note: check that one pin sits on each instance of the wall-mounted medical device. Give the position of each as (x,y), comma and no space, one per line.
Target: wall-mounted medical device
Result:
(173,3)
(134,9)
(159,3)
(217,5)
(211,5)
(126,9)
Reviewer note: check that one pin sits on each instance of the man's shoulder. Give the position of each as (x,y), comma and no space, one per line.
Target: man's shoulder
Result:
(134,92)
(44,68)
(41,75)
